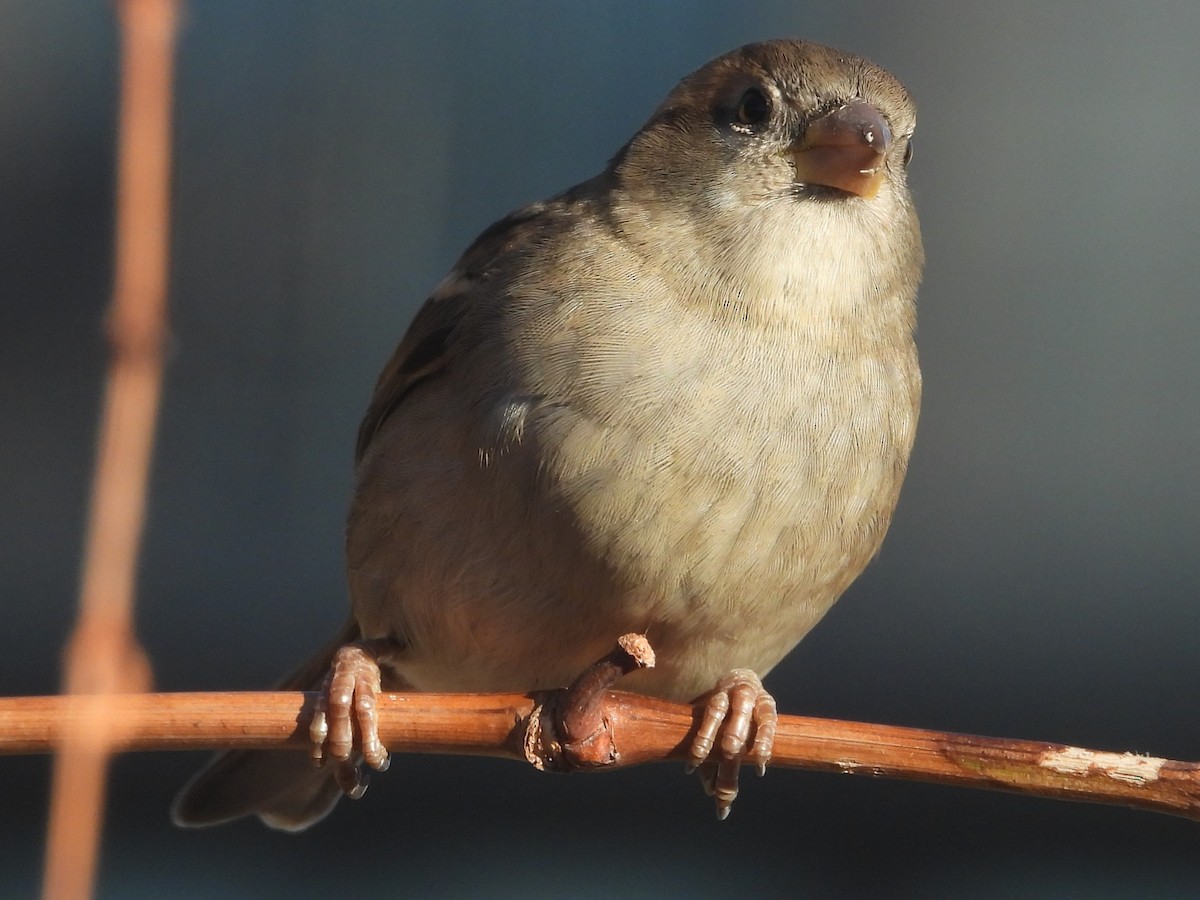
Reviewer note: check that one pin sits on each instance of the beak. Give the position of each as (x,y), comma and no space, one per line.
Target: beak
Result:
(844,149)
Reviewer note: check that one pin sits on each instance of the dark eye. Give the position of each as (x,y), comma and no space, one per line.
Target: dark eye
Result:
(908,152)
(753,109)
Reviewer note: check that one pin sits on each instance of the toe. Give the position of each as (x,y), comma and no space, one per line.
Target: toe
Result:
(367,716)
(715,711)
(766,719)
(339,700)
(725,786)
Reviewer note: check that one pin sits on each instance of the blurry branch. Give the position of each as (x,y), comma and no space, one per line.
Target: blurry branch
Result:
(641,729)
(102,656)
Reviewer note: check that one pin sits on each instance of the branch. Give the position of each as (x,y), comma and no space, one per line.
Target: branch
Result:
(642,729)
(103,656)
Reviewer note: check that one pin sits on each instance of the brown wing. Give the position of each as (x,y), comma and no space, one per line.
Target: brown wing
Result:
(421,355)
(426,346)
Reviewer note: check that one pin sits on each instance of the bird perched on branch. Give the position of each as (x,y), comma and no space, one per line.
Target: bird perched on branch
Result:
(677,399)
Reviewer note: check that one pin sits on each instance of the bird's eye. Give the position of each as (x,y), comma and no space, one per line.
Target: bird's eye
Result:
(753,109)
(908,152)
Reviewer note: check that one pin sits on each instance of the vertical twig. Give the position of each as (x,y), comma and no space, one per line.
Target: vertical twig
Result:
(103,656)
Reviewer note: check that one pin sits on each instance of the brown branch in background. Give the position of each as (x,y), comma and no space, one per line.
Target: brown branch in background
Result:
(642,730)
(103,657)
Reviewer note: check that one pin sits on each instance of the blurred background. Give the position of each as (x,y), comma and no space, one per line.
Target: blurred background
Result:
(1041,578)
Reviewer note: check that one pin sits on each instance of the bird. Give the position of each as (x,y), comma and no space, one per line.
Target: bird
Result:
(678,399)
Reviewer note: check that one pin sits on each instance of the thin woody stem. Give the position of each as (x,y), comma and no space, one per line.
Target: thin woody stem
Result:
(643,729)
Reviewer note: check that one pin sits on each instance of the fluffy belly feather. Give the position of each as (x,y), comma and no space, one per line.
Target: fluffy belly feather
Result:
(725,540)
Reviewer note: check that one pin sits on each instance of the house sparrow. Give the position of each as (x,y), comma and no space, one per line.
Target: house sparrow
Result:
(677,399)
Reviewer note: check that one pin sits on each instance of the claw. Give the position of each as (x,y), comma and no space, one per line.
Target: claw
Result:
(350,778)
(736,707)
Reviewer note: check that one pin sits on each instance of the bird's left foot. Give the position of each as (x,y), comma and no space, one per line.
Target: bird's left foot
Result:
(737,709)
(348,699)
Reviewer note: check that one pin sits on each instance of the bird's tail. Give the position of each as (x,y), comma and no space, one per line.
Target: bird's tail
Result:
(281,787)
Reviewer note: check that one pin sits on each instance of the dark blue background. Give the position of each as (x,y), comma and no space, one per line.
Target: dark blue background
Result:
(1041,577)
